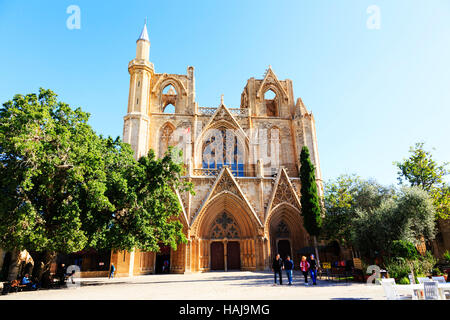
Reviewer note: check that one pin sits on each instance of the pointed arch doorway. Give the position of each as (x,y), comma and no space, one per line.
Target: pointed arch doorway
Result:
(225,245)
(286,233)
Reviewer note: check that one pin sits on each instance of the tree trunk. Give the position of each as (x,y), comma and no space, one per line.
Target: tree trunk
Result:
(317,251)
(412,272)
(14,265)
(42,265)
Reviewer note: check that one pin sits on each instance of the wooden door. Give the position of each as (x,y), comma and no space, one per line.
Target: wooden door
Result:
(217,256)
(233,256)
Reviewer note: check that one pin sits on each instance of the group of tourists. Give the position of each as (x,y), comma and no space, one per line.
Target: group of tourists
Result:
(307,266)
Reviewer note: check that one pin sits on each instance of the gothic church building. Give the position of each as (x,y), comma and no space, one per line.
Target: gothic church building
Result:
(245,209)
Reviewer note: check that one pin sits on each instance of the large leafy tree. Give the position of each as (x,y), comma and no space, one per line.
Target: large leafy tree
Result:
(408,217)
(66,189)
(421,170)
(343,197)
(310,201)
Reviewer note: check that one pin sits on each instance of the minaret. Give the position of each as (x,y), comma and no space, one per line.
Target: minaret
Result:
(137,121)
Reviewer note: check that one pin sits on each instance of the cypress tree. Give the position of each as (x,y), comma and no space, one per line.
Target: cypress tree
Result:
(311,208)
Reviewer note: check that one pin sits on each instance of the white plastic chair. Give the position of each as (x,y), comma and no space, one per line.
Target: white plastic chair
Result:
(390,290)
(412,281)
(439,279)
(388,280)
(431,290)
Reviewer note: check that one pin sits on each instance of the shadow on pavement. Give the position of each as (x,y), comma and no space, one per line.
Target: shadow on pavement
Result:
(251,280)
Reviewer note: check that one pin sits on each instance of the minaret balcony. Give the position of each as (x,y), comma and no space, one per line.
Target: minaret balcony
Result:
(141,63)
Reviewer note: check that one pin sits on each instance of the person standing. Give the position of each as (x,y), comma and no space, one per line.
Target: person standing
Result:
(111,271)
(289,267)
(313,269)
(277,266)
(166,266)
(304,267)
(61,273)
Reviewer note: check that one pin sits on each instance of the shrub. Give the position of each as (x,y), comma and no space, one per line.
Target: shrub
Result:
(424,265)
(403,249)
(437,272)
(403,280)
(398,268)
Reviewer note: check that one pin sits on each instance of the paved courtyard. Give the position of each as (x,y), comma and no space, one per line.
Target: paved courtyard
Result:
(206,286)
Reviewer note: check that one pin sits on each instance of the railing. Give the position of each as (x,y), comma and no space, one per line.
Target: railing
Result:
(215,172)
(207,111)
(239,112)
(291,171)
(206,172)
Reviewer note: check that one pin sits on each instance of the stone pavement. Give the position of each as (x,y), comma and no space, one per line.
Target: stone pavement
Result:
(205,286)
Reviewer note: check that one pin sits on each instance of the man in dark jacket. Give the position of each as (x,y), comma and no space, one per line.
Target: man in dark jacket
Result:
(277,266)
(313,269)
(289,267)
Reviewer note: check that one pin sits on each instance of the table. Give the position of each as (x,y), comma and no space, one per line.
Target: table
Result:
(419,287)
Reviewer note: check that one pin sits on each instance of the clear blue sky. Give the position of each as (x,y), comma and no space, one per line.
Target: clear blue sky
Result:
(374,93)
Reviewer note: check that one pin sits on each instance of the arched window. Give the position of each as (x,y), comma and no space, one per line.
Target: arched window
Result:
(221,147)
(166,139)
(270,102)
(169,109)
(170,90)
(169,99)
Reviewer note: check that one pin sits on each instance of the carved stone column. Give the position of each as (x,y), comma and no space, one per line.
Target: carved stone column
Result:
(225,243)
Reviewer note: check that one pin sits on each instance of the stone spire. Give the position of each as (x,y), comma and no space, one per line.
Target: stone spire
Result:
(143,45)
(144,33)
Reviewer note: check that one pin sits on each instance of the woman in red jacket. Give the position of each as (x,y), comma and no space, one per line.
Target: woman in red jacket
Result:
(304,266)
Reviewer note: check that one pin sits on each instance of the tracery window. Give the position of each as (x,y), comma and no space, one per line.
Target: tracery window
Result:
(225,227)
(169,99)
(222,148)
(282,230)
(270,100)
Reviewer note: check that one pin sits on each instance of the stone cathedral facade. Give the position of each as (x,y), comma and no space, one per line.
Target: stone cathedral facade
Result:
(246,205)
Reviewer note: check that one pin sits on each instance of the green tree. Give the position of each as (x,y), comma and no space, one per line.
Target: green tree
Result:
(343,197)
(310,201)
(421,170)
(408,216)
(66,189)
(339,201)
